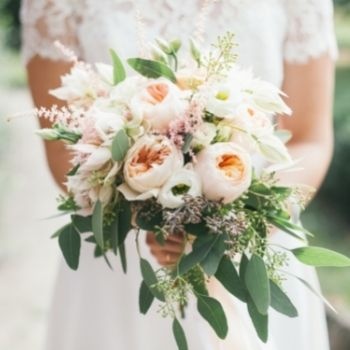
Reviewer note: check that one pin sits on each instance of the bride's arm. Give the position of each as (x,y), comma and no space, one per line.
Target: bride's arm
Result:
(310,90)
(43,75)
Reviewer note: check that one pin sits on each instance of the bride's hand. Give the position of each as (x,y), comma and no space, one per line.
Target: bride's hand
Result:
(168,254)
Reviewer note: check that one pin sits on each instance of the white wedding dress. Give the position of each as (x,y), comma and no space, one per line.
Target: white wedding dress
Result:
(96,308)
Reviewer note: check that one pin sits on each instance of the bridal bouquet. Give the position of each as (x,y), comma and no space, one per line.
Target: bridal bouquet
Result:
(170,150)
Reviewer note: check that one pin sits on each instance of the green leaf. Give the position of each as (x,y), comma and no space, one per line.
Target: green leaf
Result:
(201,248)
(257,283)
(199,229)
(82,223)
(260,321)
(321,257)
(150,279)
(120,145)
(97,224)
(187,142)
(59,231)
(279,223)
(122,255)
(151,69)
(70,242)
(227,275)
(124,226)
(145,298)
(118,69)
(179,335)
(212,311)
(281,302)
(211,262)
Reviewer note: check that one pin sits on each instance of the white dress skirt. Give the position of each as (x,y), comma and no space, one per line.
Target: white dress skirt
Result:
(97,308)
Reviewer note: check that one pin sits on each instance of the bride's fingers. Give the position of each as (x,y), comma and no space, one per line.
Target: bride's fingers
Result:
(166,259)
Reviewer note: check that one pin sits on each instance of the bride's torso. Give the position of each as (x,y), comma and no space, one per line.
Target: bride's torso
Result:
(267,31)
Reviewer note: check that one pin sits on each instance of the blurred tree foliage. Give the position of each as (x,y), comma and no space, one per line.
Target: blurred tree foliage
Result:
(10,23)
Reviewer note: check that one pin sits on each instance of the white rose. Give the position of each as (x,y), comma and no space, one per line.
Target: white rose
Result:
(149,164)
(223,99)
(183,181)
(159,103)
(225,170)
(204,135)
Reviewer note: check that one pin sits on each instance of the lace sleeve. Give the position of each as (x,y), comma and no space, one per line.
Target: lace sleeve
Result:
(310,31)
(44,22)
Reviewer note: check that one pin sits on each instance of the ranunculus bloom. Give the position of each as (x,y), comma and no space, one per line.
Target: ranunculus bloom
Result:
(183,181)
(149,164)
(225,170)
(159,103)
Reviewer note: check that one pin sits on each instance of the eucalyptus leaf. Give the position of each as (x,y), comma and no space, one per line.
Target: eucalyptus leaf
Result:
(187,143)
(120,146)
(145,298)
(59,231)
(150,221)
(212,311)
(150,279)
(70,242)
(228,276)
(82,223)
(211,262)
(321,257)
(257,283)
(281,302)
(118,69)
(122,254)
(151,69)
(97,224)
(179,335)
(260,321)
(201,248)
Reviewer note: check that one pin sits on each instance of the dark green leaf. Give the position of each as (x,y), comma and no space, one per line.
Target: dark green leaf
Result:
(321,257)
(82,223)
(120,146)
(97,224)
(124,221)
(59,231)
(114,234)
(211,262)
(151,69)
(122,255)
(74,170)
(243,267)
(227,275)
(282,225)
(199,229)
(179,335)
(257,283)
(145,298)
(98,252)
(118,68)
(202,246)
(90,239)
(212,311)
(260,321)
(281,302)
(150,279)
(70,241)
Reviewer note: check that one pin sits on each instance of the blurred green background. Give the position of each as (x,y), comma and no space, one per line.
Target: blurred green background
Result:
(328,215)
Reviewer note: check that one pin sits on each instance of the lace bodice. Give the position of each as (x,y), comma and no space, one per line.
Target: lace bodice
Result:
(268,31)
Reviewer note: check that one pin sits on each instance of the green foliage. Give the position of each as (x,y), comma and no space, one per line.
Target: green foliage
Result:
(97,224)
(69,241)
(119,73)
(179,335)
(281,302)
(150,279)
(120,146)
(145,298)
(9,19)
(151,69)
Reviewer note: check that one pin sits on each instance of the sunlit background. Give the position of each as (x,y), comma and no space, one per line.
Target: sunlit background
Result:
(28,258)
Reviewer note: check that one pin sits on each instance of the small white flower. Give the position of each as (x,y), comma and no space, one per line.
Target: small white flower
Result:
(204,135)
(183,181)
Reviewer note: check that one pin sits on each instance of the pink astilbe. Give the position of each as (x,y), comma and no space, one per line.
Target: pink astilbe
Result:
(69,117)
(188,123)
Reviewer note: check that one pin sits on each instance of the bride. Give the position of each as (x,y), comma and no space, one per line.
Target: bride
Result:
(288,42)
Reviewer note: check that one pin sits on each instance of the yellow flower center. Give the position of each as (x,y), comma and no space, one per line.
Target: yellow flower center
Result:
(222,95)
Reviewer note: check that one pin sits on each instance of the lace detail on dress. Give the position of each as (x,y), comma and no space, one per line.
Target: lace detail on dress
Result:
(44,22)
(310,30)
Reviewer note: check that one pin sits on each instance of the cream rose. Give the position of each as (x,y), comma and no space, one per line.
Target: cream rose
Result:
(149,164)
(204,135)
(183,181)
(225,170)
(159,103)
